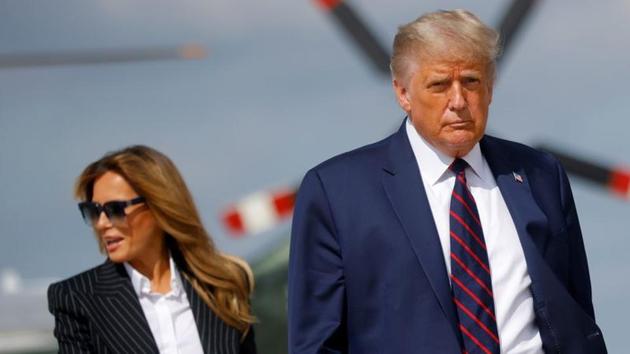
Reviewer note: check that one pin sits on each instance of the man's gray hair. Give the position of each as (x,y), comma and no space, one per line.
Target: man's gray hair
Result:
(444,35)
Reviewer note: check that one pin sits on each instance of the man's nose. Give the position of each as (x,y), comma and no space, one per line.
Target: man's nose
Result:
(457,101)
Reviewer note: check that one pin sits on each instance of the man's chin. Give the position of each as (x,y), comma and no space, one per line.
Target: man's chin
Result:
(458,147)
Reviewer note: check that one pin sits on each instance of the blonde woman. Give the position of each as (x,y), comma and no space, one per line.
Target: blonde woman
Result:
(164,287)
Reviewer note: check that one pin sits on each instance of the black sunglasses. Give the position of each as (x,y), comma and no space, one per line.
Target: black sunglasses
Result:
(115,210)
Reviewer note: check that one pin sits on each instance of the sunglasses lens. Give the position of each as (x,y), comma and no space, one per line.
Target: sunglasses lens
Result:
(89,212)
(115,211)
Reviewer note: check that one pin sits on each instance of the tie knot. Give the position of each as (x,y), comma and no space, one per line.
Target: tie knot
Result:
(458,166)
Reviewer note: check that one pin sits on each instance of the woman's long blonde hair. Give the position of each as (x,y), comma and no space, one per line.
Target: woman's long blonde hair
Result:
(224,282)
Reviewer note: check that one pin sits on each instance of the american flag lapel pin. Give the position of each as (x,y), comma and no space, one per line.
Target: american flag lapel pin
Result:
(518,178)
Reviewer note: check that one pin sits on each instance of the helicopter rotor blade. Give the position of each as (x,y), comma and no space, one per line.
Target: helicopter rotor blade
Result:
(512,22)
(355,27)
(616,180)
(185,52)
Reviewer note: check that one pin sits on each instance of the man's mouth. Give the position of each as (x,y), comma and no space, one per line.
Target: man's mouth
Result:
(460,124)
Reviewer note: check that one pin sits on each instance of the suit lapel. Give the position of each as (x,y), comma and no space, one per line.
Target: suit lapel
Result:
(118,311)
(530,221)
(403,185)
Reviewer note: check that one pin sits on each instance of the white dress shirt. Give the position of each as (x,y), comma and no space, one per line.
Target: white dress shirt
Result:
(169,315)
(513,302)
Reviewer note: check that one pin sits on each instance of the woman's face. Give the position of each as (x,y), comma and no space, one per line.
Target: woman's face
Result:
(133,239)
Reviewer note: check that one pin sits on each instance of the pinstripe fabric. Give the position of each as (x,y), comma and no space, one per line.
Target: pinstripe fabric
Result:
(97,311)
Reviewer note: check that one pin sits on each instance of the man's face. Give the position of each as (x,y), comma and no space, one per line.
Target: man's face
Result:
(447,102)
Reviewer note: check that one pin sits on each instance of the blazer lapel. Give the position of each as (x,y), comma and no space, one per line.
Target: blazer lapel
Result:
(118,311)
(202,315)
(215,335)
(403,185)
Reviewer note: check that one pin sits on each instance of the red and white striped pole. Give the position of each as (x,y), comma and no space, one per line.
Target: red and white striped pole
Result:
(259,212)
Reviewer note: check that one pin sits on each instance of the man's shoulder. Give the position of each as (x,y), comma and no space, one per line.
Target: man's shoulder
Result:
(515,151)
(366,156)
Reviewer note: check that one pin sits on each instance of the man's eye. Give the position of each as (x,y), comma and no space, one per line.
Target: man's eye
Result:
(437,84)
(471,80)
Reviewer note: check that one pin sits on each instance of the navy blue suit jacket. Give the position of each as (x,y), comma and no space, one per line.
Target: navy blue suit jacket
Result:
(367,274)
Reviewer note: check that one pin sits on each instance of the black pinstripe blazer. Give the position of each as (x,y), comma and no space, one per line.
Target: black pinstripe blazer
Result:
(98,311)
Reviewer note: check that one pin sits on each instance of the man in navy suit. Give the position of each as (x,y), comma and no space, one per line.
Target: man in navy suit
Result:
(440,239)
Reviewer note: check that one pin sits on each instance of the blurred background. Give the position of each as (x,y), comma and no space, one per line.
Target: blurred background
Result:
(246,95)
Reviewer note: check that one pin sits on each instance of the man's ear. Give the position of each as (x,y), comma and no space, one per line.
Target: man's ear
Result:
(402,95)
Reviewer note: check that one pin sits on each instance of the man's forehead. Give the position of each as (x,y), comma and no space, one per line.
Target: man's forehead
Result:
(431,65)
(448,65)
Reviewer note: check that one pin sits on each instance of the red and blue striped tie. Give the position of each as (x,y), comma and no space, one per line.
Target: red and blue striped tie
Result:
(470,270)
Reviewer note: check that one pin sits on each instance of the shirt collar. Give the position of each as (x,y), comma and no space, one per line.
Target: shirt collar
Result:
(142,285)
(433,163)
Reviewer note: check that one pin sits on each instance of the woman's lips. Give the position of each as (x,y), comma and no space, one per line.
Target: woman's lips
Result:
(112,243)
